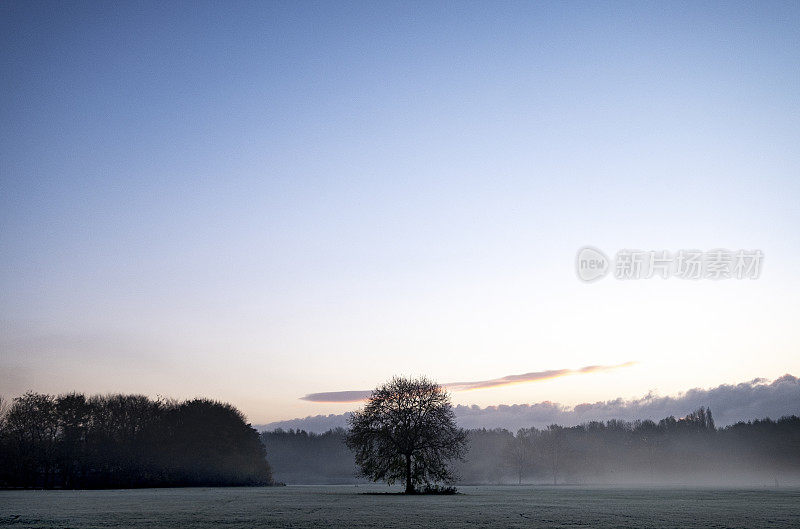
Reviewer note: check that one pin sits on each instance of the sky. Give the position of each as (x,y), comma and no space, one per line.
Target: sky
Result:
(257,202)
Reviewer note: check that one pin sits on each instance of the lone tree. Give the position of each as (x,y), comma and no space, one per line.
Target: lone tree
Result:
(407,432)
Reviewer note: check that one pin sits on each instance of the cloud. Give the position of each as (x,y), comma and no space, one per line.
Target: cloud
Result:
(338,396)
(730,403)
(534,376)
(755,399)
(530,377)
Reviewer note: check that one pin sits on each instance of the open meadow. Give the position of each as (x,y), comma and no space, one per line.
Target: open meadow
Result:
(349,506)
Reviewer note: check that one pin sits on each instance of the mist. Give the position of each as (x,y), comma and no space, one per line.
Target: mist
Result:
(689,451)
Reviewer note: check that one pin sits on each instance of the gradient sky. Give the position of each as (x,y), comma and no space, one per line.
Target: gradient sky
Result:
(259,201)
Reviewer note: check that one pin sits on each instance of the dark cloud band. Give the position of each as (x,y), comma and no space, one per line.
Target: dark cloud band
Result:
(755,399)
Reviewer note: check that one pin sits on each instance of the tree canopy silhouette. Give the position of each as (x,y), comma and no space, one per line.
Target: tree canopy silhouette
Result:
(407,432)
(71,441)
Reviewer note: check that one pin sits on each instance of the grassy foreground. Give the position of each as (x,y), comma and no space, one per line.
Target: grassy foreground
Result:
(347,506)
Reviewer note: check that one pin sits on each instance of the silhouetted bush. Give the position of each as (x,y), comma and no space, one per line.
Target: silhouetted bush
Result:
(446,490)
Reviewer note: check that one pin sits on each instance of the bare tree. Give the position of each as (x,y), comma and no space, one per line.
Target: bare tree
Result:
(553,438)
(519,452)
(407,432)
(5,407)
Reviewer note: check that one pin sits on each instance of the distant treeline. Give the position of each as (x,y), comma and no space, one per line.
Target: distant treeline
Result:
(310,458)
(72,441)
(689,450)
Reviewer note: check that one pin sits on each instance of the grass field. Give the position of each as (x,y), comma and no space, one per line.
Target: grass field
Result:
(347,506)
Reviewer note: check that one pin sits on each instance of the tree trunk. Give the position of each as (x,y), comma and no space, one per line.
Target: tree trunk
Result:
(409,483)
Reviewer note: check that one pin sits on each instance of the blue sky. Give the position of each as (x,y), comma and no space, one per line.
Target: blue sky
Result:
(256,201)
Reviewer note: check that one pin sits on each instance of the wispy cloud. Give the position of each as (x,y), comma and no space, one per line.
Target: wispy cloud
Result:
(338,396)
(534,376)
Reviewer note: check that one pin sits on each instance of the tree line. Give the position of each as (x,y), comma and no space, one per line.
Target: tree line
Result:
(75,441)
(301,457)
(688,450)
